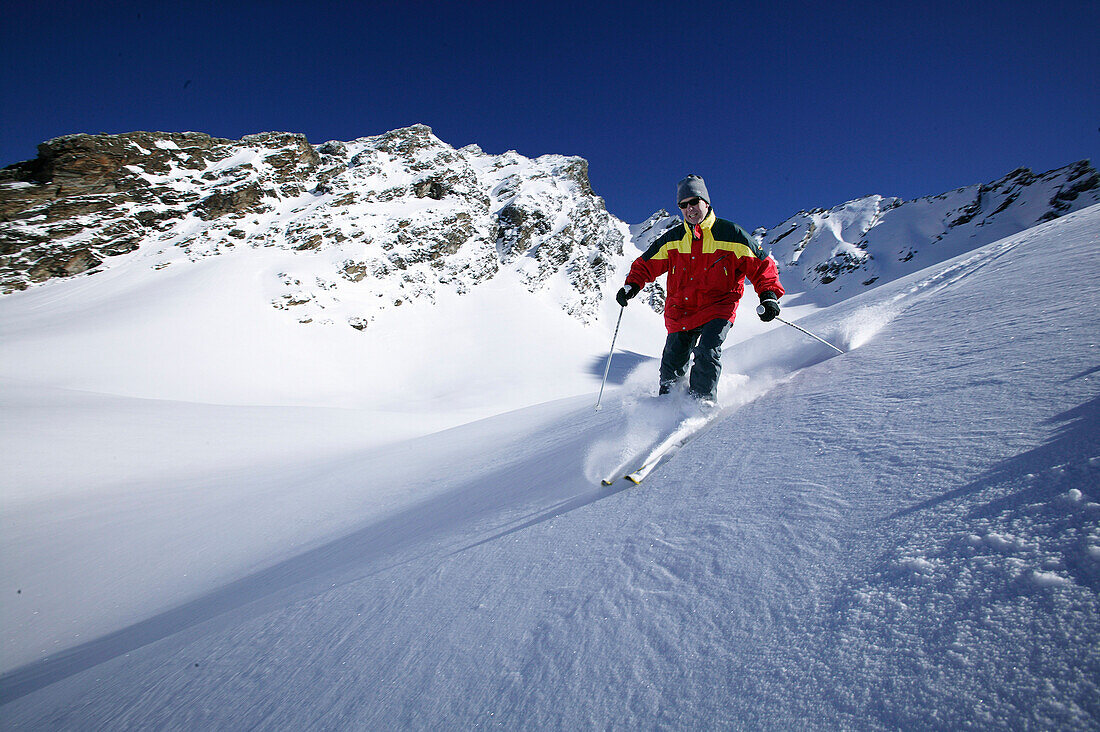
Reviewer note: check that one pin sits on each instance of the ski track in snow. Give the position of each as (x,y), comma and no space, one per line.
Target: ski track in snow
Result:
(901,537)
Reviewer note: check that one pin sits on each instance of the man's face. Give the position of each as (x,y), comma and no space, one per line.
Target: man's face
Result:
(694,210)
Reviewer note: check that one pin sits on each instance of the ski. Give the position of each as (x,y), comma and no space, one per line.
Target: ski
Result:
(659,453)
(639,475)
(688,429)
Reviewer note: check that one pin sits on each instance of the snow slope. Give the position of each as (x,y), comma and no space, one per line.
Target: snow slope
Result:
(904,536)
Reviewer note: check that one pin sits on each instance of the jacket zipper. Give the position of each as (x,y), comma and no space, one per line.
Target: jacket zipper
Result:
(715,263)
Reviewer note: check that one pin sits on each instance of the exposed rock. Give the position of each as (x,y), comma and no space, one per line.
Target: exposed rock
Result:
(64,264)
(221,203)
(430,188)
(87,197)
(517,227)
(97,163)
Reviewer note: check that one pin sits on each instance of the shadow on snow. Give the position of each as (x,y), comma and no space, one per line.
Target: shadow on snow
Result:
(479,504)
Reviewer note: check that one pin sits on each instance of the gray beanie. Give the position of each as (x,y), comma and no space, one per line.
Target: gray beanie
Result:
(691,187)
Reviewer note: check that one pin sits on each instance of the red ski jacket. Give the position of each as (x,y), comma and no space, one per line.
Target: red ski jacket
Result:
(706,270)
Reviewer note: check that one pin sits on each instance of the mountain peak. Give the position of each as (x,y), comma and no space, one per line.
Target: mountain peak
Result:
(396,216)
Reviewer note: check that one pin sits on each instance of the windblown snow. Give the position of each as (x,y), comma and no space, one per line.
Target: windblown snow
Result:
(214,518)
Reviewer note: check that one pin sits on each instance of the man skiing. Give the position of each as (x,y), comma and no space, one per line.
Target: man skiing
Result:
(707,261)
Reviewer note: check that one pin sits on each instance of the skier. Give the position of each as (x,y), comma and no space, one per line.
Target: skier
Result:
(707,261)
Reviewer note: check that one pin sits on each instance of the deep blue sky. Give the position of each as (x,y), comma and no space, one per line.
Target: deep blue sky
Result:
(780,106)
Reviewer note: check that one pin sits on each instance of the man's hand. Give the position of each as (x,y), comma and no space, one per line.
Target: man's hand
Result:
(769,306)
(628,291)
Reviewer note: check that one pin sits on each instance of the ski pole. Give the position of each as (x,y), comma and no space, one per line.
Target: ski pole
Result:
(760,311)
(610,353)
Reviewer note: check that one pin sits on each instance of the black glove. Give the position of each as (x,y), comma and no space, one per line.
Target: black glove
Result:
(628,291)
(769,306)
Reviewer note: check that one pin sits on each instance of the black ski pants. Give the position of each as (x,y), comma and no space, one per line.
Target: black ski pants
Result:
(705,343)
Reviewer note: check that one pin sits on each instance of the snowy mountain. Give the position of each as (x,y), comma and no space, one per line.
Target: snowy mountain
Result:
(377,222)
(840,252)
(216,516)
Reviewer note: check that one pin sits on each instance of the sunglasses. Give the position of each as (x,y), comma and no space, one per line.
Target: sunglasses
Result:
(690,202)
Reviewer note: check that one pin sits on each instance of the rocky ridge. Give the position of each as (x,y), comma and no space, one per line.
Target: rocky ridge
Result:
(376,222)
(834,254)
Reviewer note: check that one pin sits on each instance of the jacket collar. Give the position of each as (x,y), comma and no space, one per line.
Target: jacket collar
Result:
(706,223)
